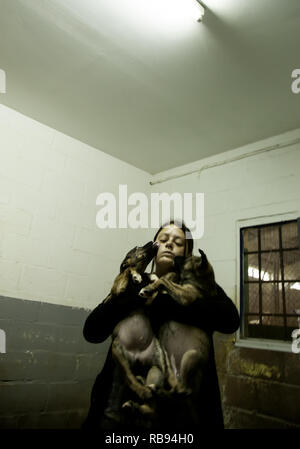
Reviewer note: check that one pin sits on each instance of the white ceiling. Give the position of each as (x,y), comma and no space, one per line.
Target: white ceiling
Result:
(148,91)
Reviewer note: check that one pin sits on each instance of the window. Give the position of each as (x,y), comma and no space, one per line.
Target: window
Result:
(270,280)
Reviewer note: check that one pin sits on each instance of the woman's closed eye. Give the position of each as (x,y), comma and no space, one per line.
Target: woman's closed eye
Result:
(177,242)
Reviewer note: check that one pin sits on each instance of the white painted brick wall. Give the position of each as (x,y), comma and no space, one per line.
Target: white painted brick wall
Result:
(50,247)
(10,272)
(260,185)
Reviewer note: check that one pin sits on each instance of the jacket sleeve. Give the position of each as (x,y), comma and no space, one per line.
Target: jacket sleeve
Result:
(101,321)
(219,313)
(212,314)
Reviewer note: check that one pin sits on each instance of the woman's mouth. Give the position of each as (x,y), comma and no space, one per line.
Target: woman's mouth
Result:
(167,253)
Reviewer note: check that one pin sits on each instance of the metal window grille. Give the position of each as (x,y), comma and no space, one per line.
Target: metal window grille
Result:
(270,280)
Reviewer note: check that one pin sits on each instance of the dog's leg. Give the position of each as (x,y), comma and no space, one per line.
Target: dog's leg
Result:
(151,290)
(171,379)
(183,294)
(142,391)
(135,276)
(152,278)
(120,283)
(192,369)
(155,380)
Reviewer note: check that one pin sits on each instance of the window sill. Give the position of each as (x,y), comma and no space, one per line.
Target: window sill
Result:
(260,343)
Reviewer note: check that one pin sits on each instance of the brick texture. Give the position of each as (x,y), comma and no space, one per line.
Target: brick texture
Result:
(48,370)
(259,388)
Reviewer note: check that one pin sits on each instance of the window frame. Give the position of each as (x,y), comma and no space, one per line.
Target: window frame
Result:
(248,342)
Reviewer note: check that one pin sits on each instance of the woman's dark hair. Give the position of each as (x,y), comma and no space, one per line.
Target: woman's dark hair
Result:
(189,242)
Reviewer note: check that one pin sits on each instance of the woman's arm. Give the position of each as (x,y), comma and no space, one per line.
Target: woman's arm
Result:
(102,320)
(219,313)
(212,314)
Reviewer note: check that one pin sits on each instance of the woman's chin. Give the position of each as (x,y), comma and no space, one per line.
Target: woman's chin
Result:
(164,265)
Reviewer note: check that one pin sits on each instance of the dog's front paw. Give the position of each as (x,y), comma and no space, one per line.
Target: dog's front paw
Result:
(118,289)
(137,278)
(153,277)
(147,393)
(145,292)
(131,406)
(128,405)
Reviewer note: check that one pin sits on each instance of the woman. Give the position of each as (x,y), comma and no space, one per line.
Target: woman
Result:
(217,314)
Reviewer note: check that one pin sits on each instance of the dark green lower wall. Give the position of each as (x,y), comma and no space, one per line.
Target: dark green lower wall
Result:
(48,370)
(260,389)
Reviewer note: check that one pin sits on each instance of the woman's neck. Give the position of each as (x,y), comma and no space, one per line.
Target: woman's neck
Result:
(161,271)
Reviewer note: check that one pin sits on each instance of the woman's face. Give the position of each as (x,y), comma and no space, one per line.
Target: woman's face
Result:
(171,241)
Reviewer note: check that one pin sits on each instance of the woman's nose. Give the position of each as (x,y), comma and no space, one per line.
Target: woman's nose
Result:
(169,244)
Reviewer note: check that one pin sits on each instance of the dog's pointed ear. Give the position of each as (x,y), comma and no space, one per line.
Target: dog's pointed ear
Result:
(124,263)
(148,245)
(203,257)
(179,262)
(123,266)
(155,246)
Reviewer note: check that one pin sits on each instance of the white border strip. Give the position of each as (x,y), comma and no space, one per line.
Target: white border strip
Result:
(2,341)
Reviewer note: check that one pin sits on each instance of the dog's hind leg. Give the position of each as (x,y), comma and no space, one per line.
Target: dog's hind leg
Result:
(194,362)
(171,378)
(142,391)
(155,378)
(191,370)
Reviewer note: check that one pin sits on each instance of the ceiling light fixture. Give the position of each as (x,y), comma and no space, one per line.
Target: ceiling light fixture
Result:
(201,10)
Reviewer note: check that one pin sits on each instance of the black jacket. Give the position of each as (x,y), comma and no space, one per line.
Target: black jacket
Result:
(217,314)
